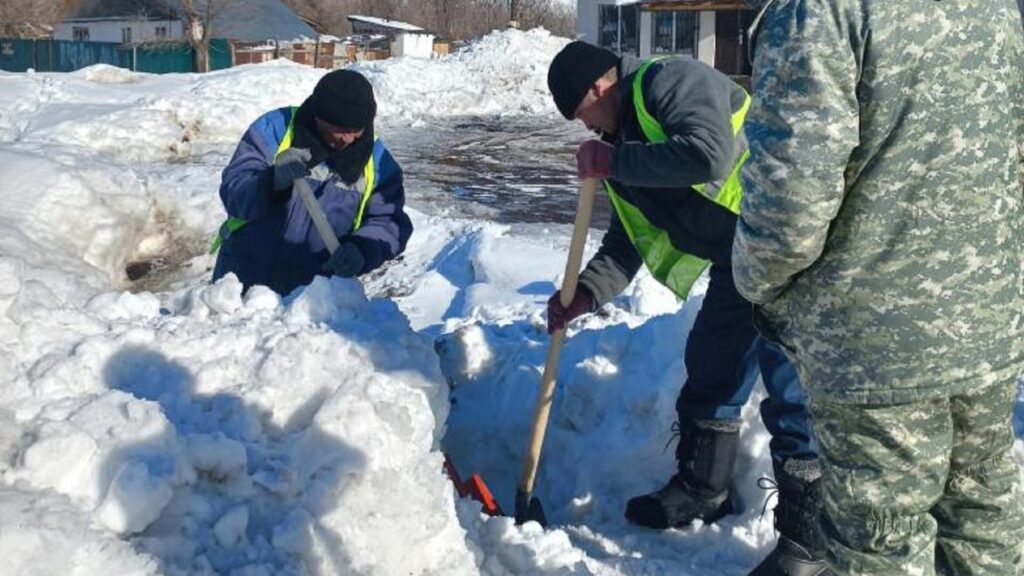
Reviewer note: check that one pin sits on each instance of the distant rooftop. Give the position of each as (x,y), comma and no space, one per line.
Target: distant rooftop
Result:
(255,20)
(391,24)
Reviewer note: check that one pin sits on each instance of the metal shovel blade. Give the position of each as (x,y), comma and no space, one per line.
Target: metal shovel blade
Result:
(528,509)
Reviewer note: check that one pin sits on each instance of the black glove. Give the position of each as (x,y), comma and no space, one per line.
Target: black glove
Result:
(346,262)
(289,165)
(558,315)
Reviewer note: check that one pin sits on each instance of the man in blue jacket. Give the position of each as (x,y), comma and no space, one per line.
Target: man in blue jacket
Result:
(269,238)
(671,147)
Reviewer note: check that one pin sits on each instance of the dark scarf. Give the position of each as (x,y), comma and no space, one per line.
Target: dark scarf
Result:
(348,163)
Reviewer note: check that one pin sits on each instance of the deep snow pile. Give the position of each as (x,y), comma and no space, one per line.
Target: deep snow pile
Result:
(230,432)
(197,431)
(504,73)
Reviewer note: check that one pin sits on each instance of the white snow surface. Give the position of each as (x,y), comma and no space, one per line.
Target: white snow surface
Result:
(197,430)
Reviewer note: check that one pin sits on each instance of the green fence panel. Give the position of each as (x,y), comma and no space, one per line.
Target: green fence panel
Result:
(220,54)
(164,58)
(70,56)
(17,55)
(20,55)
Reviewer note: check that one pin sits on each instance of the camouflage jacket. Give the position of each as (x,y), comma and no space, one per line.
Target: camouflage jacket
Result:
(881,233)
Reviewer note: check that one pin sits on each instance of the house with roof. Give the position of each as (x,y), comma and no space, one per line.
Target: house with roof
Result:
(120,21)
(126,21)
(251,30)
(405,39)
(712,31)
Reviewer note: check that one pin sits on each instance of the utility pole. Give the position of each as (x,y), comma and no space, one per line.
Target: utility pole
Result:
(513,21)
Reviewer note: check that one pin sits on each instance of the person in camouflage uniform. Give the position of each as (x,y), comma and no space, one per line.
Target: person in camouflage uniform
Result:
(881,239)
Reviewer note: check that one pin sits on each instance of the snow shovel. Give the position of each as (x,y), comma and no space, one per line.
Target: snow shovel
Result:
(528,507)
(475,487)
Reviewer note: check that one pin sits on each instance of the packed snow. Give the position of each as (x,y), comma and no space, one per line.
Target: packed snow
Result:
(188,429)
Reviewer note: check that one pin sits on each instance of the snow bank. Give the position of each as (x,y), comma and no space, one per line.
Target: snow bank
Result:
(235,432)
(504,73)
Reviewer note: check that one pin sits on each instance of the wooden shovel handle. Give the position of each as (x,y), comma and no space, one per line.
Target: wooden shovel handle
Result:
(588,189)
(316,213)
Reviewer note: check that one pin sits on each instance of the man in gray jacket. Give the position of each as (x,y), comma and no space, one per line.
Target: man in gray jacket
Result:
(882,242)
(670,153)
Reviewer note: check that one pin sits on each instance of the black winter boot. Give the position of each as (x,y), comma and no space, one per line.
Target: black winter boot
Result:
(799,549)
(706,454)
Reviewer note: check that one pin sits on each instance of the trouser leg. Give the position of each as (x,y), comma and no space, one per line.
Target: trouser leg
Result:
(885,467)
(785,412)
(980,522)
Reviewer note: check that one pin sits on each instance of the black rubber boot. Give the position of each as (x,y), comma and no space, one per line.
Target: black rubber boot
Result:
(706,454)
(799,549)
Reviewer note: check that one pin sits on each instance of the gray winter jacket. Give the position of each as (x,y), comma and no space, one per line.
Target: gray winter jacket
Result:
(694,104)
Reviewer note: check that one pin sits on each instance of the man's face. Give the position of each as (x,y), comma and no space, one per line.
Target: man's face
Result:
(336,137)
(599,109)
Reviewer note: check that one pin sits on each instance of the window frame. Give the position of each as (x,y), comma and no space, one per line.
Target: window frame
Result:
(684,22)
(620,24)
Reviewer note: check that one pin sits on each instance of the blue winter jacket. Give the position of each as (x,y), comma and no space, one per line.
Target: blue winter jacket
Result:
(278,246)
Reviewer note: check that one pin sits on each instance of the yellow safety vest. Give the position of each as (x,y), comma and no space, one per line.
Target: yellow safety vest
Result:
(675,269)
(232,224)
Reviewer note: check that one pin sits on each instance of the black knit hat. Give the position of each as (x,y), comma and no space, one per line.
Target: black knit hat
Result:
(343,98)
(574,70)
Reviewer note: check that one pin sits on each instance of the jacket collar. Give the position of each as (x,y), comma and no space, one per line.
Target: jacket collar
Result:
(628,65)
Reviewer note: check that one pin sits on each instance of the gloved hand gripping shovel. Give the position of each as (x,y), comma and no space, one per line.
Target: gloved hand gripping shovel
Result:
(528,507)
(474,487)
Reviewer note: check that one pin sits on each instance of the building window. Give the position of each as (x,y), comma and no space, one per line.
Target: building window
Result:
(675,33)
(664,37)
(80,33)
(608,27)
(618,28)
(629,37)
(687,26)
(126,35)
(161,31)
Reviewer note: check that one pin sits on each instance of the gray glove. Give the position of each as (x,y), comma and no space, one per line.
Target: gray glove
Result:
(346,262)
(289,165)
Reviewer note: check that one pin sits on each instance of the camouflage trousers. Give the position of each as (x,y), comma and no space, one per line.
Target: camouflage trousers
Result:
(922,488)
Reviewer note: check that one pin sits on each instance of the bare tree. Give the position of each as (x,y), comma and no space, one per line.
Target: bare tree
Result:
(556,17)
(198,17)
(454,19)
(30,18)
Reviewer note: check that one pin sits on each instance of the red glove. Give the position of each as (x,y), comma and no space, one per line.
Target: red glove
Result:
(558,316)
(594,159)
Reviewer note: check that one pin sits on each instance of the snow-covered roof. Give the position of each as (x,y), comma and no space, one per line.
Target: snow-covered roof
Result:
(385,23)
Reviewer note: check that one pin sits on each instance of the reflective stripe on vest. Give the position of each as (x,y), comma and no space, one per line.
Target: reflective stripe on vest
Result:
(232,224)
(676,269)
